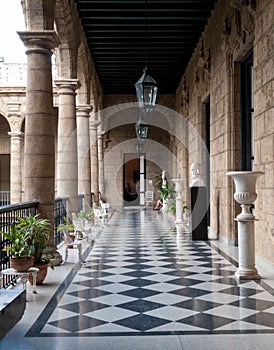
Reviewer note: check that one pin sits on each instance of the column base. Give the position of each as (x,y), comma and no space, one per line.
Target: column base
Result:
(181,228)
(247,274)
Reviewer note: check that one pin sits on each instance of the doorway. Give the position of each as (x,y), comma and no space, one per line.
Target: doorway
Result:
(134,179)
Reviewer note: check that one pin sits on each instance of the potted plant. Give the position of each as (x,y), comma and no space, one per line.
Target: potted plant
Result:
(38,231)
(21,249)
(68,227)
(167,191)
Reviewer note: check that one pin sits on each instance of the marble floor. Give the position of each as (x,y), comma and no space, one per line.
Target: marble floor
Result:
(140,287)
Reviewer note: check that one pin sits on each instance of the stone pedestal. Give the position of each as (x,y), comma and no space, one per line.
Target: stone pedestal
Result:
(179,201)
(198,219)
(245,182)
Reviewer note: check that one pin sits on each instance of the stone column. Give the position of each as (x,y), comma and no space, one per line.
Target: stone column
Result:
(101,162)
(15,167)
(39,152)
(93,126)
(67,162)
(83,148)
(15,121)
(39,163)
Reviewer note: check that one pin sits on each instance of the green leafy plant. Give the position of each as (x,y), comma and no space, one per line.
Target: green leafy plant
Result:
(22,245)
(171,207)
(38,231)
(67,226)
(167,191)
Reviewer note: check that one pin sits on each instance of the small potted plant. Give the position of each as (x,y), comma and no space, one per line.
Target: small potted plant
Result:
(38,231)
(21,249)
(68,227)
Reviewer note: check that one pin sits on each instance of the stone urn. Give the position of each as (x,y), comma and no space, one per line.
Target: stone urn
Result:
(245,194)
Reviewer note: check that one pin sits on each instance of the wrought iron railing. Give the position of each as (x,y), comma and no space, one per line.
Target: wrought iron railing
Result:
(4,198)
(8,215)
(60,212)
(80,201)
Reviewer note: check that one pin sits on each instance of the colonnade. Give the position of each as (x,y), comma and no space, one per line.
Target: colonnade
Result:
(74,170)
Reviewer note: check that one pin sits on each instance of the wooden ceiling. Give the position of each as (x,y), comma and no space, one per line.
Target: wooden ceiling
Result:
(124,36)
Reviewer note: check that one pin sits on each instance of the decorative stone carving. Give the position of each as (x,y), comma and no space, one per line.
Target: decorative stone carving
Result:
(195,175)
(184,98)
(242,22)
(202,74)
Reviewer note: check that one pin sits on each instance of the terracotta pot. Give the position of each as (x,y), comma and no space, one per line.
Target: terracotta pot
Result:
(21,264)
(41,274)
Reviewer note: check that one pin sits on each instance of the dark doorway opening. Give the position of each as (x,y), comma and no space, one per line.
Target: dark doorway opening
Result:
(134,176)
(207,157)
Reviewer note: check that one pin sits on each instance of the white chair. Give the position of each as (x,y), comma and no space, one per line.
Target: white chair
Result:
(149,198)
(71,244)
(100,215)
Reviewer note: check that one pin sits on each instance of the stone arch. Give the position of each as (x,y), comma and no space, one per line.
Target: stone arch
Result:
(83,71)
(67,27)
(4,137)
(127,113)
(4,154)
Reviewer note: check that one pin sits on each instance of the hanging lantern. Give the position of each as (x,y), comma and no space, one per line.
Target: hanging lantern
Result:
(146,90)
(141,129)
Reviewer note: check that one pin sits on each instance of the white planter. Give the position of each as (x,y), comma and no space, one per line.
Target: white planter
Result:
(245,194)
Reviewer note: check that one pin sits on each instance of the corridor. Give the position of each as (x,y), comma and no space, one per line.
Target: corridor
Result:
(142,287)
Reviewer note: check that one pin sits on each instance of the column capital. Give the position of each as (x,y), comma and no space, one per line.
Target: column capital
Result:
(67,86)
(93,124)
(39,40)
(83,110)
(15,134)
(101,134)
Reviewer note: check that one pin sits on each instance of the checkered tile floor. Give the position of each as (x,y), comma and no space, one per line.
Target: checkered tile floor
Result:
(139,278)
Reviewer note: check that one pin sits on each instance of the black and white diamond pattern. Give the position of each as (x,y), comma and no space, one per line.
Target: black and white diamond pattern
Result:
(140,279)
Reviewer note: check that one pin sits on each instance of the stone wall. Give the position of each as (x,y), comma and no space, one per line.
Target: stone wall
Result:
(264,126)
(121,140)
(213,72)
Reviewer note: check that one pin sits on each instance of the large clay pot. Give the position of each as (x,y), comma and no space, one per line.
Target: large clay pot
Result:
(21,264)
(41,274)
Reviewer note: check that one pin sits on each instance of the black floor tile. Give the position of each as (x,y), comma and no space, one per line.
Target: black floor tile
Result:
(197,305)
(77,323)
(254,304)
(141,306)
(261,318)
(83,306)
(206,321)
(140,293)
(142,322)
(190,292)
(88,293)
